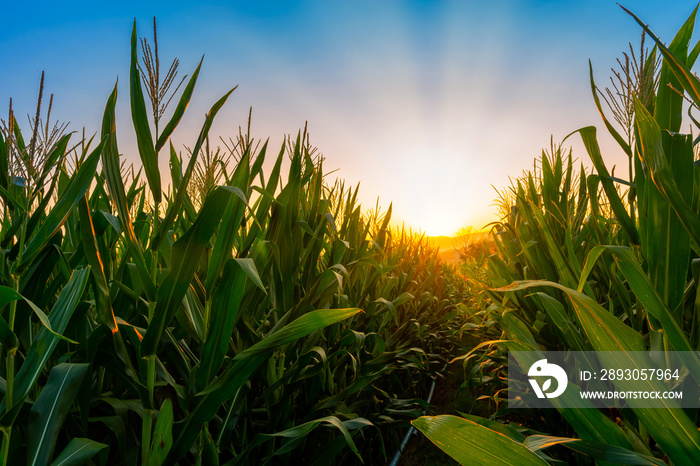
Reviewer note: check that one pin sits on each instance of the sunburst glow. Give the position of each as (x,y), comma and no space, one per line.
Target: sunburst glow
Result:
(427,105)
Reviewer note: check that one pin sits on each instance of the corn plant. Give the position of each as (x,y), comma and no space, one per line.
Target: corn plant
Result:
(581,269)
(237,317)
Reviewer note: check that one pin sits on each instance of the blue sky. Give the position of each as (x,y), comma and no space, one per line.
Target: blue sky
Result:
(427,104)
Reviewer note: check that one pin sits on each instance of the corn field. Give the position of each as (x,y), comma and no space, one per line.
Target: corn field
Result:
(231,317)
(593,262)
(234,312)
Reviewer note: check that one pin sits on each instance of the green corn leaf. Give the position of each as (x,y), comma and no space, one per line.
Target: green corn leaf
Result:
(381,237)
(668,108)
(471,443)
(248,266)
(111,167)
(117,426)
(669,426)
(40,212)
(77,188)
(175,206)
(652,153)
(224,311)
(162,435)
(7,336)
(78,451)
(304,325)
(180,109)
(12,200)
(57,152)
(19,139)
(4,163)
(245,364)
(389,307)
(231,222)
(294,434)
(588,135)
(647,295)
(592,318)
(236,191)
(265,202)
(256,169)
(692,55)
(185,259)
(135,188)
(613,132)
(562,265)
(508,431)
(226,386)
(101,289)
(139,117)
(597,450)
(50,410)
(46,322)
(210,455)
(175,166)
(666,244)
(570,333)
(44,343)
